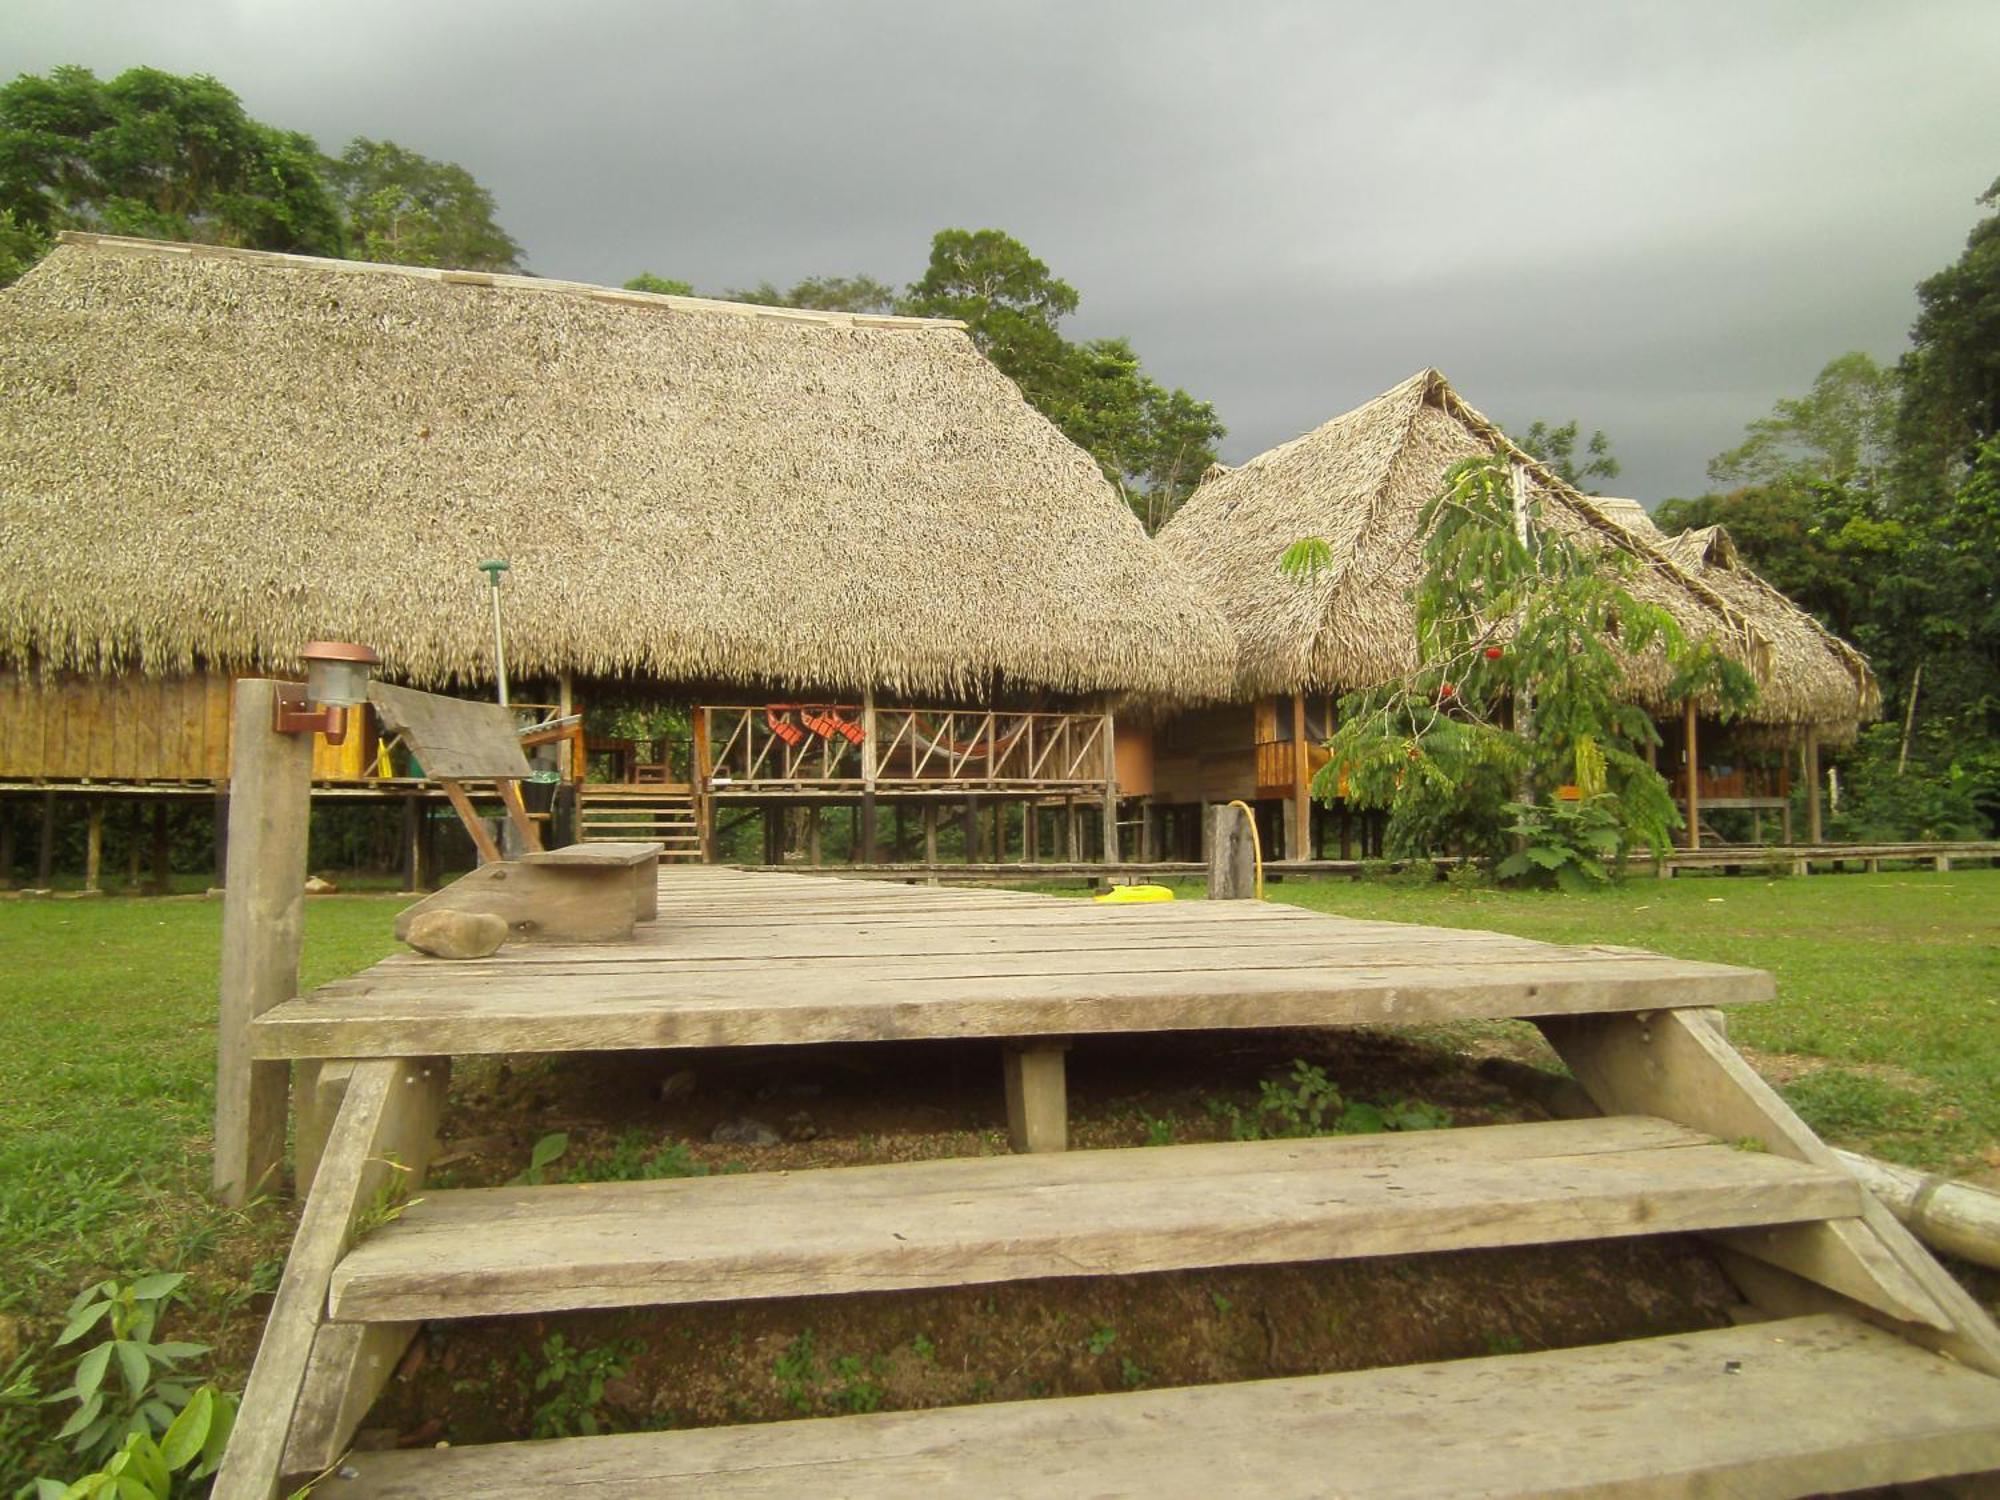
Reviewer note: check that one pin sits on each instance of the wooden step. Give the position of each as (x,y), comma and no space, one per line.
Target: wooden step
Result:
(1796,1407)
(481,1252)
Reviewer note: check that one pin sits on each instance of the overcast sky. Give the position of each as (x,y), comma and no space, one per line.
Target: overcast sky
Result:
(1656,218)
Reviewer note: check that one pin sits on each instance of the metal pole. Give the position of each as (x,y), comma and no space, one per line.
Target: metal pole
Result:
(493,568)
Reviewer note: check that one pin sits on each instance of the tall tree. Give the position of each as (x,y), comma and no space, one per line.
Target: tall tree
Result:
(1841,431)
(665,286)
(1951,375)
(1556,447)
(855,294)
(1153,443)
(406,208)
(154,154)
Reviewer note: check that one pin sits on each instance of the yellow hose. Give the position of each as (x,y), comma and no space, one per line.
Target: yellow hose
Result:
(1256,844)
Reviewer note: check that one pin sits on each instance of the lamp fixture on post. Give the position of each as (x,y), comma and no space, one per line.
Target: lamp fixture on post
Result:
(336,680)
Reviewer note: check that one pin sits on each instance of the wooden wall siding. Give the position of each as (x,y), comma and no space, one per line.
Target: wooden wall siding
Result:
(1133,744)
(117,728)
(1209,755)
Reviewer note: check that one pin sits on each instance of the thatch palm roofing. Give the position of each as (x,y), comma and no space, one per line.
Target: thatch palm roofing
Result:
(211,456)
(1821,679)
(1361,482)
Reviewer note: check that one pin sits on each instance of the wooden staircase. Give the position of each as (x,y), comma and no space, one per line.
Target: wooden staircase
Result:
(627,811)
(1857,1361)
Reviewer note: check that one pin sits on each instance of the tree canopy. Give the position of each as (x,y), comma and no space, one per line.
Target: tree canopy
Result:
(152,154)
(1556,447)
(406,208)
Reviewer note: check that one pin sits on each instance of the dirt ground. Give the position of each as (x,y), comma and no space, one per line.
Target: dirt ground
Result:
(654,1114)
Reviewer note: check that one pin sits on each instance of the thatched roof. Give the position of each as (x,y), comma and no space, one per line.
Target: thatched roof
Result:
(213,456)
(1821,679)
(1360,482)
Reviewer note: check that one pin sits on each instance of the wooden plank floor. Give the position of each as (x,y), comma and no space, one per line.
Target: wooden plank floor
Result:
(492,1251)
(743,959)
(1801,1406)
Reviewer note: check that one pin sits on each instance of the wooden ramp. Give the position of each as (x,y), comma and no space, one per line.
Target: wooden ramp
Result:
(1860,1363)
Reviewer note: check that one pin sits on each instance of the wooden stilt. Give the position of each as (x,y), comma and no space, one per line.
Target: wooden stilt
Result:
(162,851)
(972,830)
(263,922)
(93,845)
(1690,750)
(812,836)
(6,844)
(1037,1096)
(45,857)
(1814,832)
(222,835)
(413,845)
(1298,822)
(1232,861)
(930,833)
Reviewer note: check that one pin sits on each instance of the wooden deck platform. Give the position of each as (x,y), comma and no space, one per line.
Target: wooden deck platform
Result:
(1805,1398)
(742,959)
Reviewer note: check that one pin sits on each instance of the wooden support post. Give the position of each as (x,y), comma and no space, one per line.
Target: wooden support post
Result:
(162,851)
(1148,838)
(413,845)
(222,835)
(263,924)
(6,844)
(475,827)
(704,768)
(45,857)
(1232,857)
(865,849)
(1298,823)
(1037,1096)
(567,746)
(1814,833)
(1693,781)
(93,845)
(999,832)
(1031,832)
(972,830)
(1111,852)
(812,835)
(930,833)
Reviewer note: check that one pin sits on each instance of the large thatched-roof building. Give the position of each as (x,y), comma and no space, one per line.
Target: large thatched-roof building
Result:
(208,457)
(1361,482)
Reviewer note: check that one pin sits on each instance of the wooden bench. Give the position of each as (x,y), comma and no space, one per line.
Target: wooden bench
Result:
(585,893)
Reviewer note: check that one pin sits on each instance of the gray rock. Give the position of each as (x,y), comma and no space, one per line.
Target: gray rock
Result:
(744,1131)
(457,934)
(319,885)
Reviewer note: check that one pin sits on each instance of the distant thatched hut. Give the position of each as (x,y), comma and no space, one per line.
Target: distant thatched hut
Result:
(208,457)
(1360,481)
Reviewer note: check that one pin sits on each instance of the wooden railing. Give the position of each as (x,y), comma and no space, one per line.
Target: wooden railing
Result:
(1756,783)
(830,746)
(1277,765)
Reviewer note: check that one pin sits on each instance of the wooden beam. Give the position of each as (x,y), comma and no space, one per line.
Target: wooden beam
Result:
(263,925)
(93,845)
(1111,852)
(1037,1096)
(1298,826)
(45,856)
(1693,779)
(162,851)
(1814,833)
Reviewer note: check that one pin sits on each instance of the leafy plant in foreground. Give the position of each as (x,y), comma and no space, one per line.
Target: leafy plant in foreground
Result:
(144,1393)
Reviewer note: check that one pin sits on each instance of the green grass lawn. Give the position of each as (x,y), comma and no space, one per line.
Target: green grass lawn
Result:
(1888,1022)
(1892,979)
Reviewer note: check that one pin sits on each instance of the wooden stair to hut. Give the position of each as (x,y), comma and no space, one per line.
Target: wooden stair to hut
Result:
(1858,1362)
(620,812)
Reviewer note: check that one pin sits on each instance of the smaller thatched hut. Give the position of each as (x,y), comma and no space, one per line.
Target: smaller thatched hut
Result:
(1361,482)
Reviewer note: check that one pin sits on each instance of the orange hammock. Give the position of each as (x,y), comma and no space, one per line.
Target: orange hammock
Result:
(972,749)
(824,722)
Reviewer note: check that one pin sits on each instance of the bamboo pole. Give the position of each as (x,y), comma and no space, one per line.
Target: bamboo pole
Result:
(93,846)
(1814,833)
